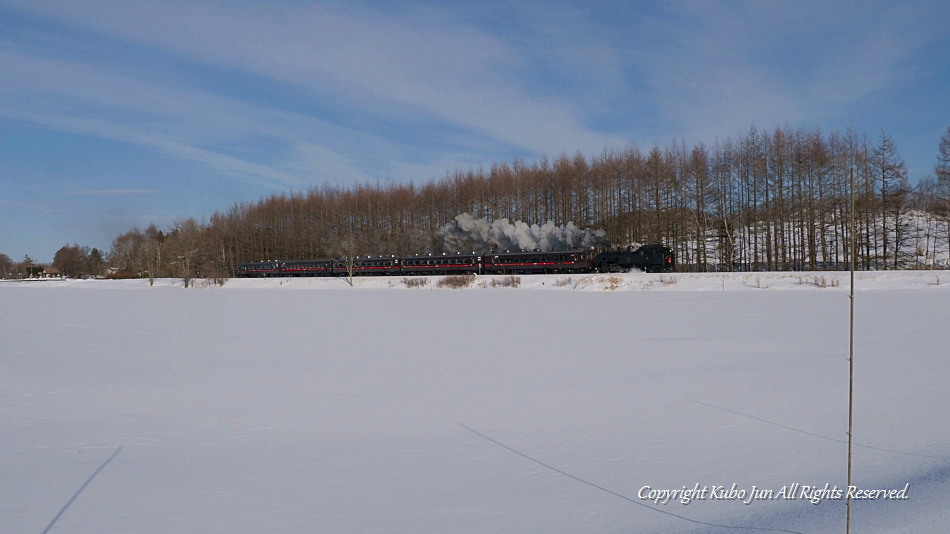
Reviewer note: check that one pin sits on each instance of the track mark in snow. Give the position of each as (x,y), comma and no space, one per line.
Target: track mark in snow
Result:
(819,435)
(614,493)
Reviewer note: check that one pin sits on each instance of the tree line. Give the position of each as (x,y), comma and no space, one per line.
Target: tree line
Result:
(70,261)
(768,200)
(18,269)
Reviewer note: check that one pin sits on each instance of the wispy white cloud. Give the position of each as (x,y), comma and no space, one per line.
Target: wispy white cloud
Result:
(715,69)
(176,120)
(379,92)
(110,192)
(421,66)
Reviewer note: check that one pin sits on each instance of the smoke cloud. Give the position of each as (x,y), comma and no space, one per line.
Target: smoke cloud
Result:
(469,234)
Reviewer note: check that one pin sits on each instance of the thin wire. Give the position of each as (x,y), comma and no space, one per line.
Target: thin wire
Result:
(80,490)
(793,429)
(614,493)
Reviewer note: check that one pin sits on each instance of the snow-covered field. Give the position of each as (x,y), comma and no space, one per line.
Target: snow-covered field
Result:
(558,406)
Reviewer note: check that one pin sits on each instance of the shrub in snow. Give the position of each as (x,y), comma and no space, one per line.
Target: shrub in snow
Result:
(506,281)
(456,281)
(612,283)
(415,282)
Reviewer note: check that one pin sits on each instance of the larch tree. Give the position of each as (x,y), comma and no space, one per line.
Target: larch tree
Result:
(942,167)
(942,186)
(891,174)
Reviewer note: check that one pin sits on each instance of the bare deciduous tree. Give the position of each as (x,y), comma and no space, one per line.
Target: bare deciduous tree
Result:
(349,255)
(775,200)
(893,188)
(7,267)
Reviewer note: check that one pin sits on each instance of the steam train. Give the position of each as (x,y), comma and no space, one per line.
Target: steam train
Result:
(649,258)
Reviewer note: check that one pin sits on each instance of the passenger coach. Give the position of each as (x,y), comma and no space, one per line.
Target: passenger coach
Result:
(651,258)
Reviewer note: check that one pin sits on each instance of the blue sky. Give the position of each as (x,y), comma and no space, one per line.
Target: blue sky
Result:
(117,114)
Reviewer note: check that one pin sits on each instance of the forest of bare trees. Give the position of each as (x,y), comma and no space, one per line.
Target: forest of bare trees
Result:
(775,200)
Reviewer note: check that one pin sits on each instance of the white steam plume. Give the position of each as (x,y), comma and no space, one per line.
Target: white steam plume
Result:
(469,234)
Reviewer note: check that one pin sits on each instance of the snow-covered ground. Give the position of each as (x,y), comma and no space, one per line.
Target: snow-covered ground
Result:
(305,405)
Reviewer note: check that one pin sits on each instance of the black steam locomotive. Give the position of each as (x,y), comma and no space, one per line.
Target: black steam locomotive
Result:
(649,258)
